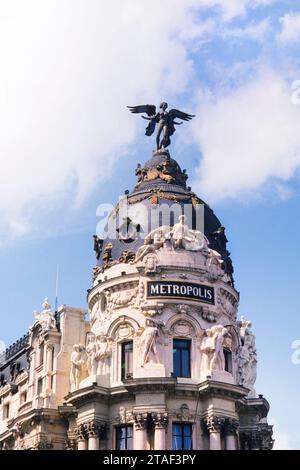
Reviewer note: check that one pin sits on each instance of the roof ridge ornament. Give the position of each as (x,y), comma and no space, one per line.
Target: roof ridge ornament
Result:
(164,121)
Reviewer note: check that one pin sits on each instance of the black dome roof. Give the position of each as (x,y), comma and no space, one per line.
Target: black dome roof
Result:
(161,182)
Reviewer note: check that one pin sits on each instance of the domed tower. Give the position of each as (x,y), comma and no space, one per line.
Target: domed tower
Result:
(165,363)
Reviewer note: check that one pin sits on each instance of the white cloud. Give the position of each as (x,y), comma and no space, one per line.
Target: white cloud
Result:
(256,31)
(68,68)
(290,28)
(247,137)
(233,8)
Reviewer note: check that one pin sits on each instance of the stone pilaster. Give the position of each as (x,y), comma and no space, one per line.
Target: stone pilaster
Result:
(160,421)
(95,430)
(81,436)
(214,425)
(140,431)
(230,429)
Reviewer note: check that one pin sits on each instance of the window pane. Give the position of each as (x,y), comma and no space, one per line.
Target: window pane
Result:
(127,359)
(181,358)
(129,443)
(176,443)
(124,439)
(187,443)
(182,436)
(185,363)
(176,363)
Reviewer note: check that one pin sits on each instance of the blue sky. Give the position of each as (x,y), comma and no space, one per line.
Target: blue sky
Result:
(67,144)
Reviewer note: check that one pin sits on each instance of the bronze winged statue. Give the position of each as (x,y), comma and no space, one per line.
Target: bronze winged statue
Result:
(165,121)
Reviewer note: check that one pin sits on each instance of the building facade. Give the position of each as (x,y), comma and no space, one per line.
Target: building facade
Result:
(160,361)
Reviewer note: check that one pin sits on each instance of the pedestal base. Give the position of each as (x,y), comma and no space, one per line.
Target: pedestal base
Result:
(101,380)
(150,370)
(218,375)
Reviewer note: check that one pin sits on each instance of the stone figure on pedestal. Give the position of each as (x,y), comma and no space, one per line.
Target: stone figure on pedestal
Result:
(46,317)
(91,350)
(212,349)
(103,355)
(78,360)
(148,340)
(98,352)
(247,364)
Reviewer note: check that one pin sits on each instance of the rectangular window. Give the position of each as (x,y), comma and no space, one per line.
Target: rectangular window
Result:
(6,411)
(40,386)
(23,397)
(181,358)
(181,436)
(228,360)
(124,437)
(41,354)
(127,360)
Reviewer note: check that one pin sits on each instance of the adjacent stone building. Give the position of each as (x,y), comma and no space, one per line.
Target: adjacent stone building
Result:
(160,361)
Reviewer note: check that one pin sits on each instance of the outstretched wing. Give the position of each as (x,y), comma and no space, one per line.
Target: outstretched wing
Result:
(175,113)
(149,109)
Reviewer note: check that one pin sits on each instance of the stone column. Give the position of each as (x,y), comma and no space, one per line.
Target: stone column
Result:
(81,437)
(214,426)
(161,422)
(231,427)
(82,444)
(93,431)
(140,431)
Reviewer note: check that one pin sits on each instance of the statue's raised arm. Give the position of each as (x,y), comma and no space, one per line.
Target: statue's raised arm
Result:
(164,120)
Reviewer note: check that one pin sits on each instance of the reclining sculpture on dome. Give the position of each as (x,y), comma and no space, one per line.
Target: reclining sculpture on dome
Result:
(153,241)
(189,239)
(163,119)
(181,236)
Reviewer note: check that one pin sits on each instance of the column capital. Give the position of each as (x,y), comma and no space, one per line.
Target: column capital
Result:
(214,423)
(140,420)
(231,426)
(160,420)
(80,432)
(92,428)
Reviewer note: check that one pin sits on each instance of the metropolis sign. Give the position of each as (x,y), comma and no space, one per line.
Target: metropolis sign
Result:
(180,290)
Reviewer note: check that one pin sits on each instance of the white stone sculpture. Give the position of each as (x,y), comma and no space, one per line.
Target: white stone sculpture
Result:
(183,236)
(46,318)
(121,299)
(247,363)
(148,339)
(212,348)
(153,241)
(213,257)
(189,239)
(98,351)
(103,354)
(78,361)
(91,351)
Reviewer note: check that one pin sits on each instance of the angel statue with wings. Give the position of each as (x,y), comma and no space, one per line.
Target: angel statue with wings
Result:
(165,121)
